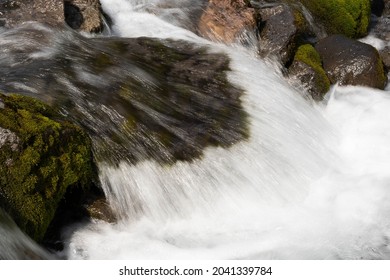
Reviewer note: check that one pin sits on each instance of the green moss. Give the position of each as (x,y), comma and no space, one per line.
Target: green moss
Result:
(308,55)
(348,17)
(52,155)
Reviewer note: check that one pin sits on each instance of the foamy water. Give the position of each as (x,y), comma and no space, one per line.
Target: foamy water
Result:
(312,182)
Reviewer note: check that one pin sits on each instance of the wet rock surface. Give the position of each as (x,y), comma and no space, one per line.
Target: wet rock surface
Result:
(138,98)
(227,20)
(282,29)
(350,62)
(13,13)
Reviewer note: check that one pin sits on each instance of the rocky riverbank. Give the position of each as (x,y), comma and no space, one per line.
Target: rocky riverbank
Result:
(48,148)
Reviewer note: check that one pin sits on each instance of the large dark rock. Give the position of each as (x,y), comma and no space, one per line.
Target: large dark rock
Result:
(138,98)
(83,15)
(350,62)
(282,28)
(227,20)
(15,12)
(42,158)
(348,17)
(307,69)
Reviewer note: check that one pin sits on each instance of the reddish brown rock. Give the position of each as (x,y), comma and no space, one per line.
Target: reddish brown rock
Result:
(227,20)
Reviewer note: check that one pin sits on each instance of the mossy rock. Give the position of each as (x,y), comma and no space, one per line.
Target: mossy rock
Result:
(348,17)
(42,157)
(307,68)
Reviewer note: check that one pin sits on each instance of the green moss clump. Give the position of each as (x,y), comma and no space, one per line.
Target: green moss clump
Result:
(348,17)
(308,55)
(50,156)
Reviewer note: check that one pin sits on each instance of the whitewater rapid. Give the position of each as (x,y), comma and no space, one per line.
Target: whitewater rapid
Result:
(311,182)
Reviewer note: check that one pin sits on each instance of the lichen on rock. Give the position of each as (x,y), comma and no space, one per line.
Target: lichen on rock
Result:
(51,155)
(307,68)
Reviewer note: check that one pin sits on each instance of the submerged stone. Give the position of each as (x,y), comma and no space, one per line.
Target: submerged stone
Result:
(138,98)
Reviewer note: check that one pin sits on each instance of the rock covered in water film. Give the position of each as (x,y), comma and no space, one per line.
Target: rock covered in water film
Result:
(42,157)
(138,98)
(350,62)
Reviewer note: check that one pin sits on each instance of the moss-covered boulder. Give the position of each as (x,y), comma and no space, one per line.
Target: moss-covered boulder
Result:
(350,62)
(348,17)
(307,68)
(42,157)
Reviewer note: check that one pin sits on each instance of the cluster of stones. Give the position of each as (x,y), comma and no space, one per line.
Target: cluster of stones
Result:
(315,41)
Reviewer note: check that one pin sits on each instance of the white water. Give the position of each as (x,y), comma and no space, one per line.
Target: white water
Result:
(312,182)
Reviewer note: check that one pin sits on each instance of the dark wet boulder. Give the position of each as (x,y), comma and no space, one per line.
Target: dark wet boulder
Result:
(84,15)
(348,17)
(42,158)
(283,27)
(138,98)
(307,69)
(350,62)
(15,12)
(227,20)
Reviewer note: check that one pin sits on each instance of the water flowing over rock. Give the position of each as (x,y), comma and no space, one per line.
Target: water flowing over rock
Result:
(138,98)
(227,20)
(350,62)
(15,244)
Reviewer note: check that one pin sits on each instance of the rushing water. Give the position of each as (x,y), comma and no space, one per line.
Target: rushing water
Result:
(312,181)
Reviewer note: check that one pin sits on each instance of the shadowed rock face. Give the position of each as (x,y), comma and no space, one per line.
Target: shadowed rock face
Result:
(138,98)
(13,13)
(350,62)
(84,15)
